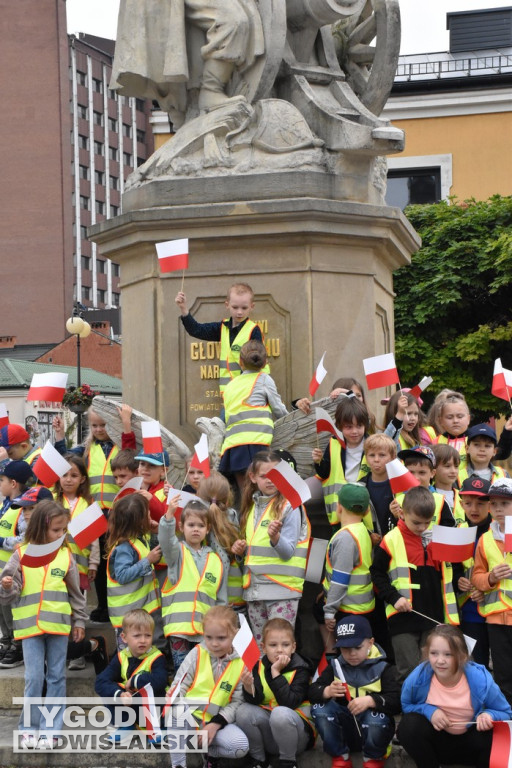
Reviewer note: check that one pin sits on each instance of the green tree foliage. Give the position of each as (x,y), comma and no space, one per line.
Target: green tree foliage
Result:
(453,309)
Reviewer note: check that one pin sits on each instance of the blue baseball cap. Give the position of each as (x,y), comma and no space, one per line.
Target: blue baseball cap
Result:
(158,459)
(352,630)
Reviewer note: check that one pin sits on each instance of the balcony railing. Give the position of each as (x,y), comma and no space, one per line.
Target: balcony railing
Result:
(449,68)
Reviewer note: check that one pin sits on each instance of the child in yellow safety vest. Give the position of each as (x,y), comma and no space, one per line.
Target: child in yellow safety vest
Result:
(273,547)
(131,580)
(195,576)
(404,411)
(445,480)
(481,449)
(251,401)
(276,716)
(210,673)
(47,606)
(355,698)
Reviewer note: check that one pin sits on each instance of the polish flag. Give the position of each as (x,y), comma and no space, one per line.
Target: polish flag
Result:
(151,718)
(421,387)
(453,544)
(501,381)
(380,371)
(200,459)
(322,664)
(48,386)
(151,437)
(37,555)
(319,376)
(338,675)
(50,465)
(245,644)
(133,485)
(4,418)
(400,479)
(185,497)
(324,423)
(289,483)
(501,752)
(88,525)
(173,255)
(508,534)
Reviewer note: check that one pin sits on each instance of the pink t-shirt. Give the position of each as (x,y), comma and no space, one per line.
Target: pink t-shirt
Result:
(454,701)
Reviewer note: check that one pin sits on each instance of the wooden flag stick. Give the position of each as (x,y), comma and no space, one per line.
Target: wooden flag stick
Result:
(437,623)
(182,280)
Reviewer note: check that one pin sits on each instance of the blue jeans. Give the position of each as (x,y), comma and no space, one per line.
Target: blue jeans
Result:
(339,733)
(37,650)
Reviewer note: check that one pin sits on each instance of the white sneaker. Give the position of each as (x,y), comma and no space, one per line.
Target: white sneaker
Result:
(77,663)
(28,741)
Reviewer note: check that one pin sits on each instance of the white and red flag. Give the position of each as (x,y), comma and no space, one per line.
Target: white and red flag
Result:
(501,752)
(400,479)
(421,387)
(4,417)
(324,423)
(48,386)
(245,644)
(37,555)
(201,459)
(151,719)
(453,544)
(151,437)
(322,664)
(132,486)
(381,371)
(173,255)
(318,377)
(501,381)
(50,465)
(338,675)
(88,525)
(289,483)
(508,534)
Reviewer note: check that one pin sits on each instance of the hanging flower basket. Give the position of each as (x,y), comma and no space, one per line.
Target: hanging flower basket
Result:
(79,399)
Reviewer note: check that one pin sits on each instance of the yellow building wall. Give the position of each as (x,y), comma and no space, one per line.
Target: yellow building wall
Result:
(480,145)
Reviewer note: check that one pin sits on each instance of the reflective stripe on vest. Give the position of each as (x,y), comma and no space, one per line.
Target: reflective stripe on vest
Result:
(400,576)
(229,363)
(217,694)
(235,584)
(81,555)
(374,686)
(103,485)
(459,443)
(145,665)
(245,424)
(497,472)
(43,607)
(332,484)
(139,593)
(185,603)
(270,701)
(498,599)
(261,557)
(359,596)
(8,525)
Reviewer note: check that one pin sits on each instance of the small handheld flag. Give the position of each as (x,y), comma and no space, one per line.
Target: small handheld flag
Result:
(400,479)
(4,418)
(381,371)
(133,485)
(318,377)
(501,381)
(37,555)
(289,483)
(48,386)
(245,644)
(324,423)
(338,675)
(322,664)
(200,459)
(508,534)
(151,719)
(151,437)
(88,525)
(173,255)
(50,465)
(421,387)
(501,752)
(453,545)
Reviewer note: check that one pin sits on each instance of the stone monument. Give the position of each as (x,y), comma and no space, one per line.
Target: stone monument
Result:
(276,173)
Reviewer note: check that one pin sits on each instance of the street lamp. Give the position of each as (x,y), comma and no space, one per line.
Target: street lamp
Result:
(80,328)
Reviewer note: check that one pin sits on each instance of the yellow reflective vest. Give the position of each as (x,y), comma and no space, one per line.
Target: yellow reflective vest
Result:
(270,702)
(359,596)
(8,525)
(185,603)
(229,366)
(81,555)
(145,665)
(103,485)
(235,584)
(261,557)
(218,693)
(439,502)
(332,484)
(499,598)
(400,577)
(245,424)
(497,472)
(139,593)
(32,456)
(43,607)
(459,443)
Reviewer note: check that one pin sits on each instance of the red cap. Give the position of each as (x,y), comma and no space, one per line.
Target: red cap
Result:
(13,434)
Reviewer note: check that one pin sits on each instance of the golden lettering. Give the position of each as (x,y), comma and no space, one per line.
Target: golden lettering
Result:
(194,350)
(273,347)
(263,324)
(209,372)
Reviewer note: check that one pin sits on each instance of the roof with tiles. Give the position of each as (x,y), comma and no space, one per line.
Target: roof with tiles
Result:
(17,374)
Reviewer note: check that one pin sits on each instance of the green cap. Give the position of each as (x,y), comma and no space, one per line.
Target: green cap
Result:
(354,497)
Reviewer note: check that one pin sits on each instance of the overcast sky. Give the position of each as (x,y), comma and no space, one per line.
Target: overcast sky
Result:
(423,21)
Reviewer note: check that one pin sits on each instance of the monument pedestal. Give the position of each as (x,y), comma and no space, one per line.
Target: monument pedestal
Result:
(321,270)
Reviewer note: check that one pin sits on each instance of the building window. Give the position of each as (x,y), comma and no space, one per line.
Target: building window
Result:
(83,142)
(413,186)
(112,94)
(141,136)
(115,270)
(84,202)
(112,124)
(139,105)
(101,266)
(100,207)
(140,160)
(116,299)
(101,294)
(99,177)
(113,153)
(114,210)
(127,158)
(86,293)
(81,77)
(86,263)
(82,111)
(113,182)
(97,85)
(83,232)
(127,131)
(99,148)
(97,118)
(83,172)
